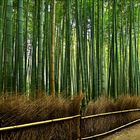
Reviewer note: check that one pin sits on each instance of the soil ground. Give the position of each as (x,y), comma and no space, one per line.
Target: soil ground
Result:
(130,133)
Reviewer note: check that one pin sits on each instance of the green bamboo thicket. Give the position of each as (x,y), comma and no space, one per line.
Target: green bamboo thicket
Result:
(67,47)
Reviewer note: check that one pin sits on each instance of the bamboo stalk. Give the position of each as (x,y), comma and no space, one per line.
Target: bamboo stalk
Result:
(52,78)
(111,131)
(38,123)
(110,113)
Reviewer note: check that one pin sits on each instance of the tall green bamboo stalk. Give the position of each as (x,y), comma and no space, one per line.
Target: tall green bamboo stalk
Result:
(34,58)
(8,45)
(52,78)
(130,52)
(1,39)
(98,48)
(40,42)
(20,46)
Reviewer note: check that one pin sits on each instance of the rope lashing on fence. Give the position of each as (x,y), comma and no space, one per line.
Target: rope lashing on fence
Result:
(38,123)
(110,113)
(111,131)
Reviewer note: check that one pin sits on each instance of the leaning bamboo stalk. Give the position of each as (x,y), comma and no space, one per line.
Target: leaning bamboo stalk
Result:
(39,123)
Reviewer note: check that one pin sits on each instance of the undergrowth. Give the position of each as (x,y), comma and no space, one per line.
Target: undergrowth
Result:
(17,110)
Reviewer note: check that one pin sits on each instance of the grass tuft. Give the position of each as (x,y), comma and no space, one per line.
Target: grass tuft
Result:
(105,123)
(16,110)
(20,110)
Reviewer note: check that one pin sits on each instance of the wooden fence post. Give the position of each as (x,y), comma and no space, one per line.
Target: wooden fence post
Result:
(79,127)
(70,130)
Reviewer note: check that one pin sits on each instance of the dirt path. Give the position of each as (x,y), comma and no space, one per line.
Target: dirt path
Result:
(131,133)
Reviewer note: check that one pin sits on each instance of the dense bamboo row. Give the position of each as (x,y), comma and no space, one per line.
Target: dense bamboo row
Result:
(68,47)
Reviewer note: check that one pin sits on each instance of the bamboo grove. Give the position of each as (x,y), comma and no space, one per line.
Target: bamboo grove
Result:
(70,46)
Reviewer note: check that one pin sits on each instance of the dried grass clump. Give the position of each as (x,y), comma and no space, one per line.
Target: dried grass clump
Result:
(10,110)
(74,109)
(74,104)
(105,123)
(126,103)
(100,124)
(17,110)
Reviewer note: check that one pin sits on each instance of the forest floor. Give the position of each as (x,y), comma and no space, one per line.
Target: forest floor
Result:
(130,133)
